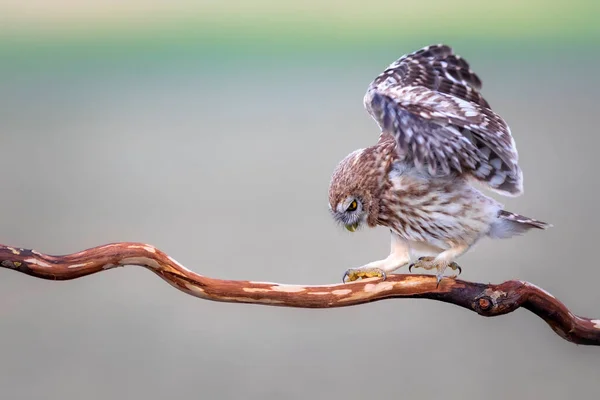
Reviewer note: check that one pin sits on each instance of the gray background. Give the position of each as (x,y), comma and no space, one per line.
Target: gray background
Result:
(227,169)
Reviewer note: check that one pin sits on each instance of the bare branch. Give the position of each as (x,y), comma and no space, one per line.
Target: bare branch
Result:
(487,300)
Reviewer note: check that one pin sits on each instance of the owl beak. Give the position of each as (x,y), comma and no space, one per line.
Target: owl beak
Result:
(352,228)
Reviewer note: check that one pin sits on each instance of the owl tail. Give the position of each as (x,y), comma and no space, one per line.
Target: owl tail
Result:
(510,224)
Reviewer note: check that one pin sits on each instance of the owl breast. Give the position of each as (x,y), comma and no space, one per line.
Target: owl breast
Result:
(439,210)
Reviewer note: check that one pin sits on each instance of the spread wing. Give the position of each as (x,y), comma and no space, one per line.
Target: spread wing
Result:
(429,101)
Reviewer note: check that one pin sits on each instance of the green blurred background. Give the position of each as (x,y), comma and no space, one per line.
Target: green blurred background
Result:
(210,129)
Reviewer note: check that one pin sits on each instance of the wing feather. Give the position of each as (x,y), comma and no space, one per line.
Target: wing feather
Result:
(429,101)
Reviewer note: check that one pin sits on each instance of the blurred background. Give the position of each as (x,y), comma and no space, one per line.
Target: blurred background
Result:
(210,129)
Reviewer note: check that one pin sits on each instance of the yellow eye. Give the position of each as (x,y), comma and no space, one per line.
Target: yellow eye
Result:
(353,206)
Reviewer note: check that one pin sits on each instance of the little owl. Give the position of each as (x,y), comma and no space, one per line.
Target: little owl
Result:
(438,137)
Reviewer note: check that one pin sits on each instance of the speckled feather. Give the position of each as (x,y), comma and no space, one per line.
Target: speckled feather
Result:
(438,133)
(430,101)
(417,206)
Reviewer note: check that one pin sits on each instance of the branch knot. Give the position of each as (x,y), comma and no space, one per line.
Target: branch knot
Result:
(484,305)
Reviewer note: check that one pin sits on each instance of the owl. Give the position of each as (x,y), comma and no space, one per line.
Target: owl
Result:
(439,137)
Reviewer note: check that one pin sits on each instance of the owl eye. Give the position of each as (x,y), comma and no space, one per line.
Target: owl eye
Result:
(353,206)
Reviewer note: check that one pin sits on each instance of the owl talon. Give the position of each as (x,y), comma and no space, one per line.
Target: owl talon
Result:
(429,263)
(455,267)
(422,262)
(354,274)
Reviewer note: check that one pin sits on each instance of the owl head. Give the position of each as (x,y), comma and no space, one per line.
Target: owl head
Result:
(354,189)
(350,212)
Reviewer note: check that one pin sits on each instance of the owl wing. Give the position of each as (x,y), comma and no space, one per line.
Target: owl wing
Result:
(429,101)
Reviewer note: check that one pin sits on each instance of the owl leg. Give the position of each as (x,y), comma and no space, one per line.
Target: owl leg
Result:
(399,256)
(441,262)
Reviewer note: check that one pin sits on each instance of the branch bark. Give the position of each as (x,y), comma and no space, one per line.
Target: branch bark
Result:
(487,300)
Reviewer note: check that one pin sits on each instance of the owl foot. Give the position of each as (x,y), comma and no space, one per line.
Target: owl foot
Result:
(429,263)
(354,274)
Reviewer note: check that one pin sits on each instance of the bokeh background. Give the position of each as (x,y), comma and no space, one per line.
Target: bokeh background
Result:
(210,130)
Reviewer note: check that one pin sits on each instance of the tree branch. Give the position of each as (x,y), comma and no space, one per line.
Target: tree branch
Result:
(487,300)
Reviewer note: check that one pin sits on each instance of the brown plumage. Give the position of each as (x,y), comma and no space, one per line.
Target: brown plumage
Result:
(438,135)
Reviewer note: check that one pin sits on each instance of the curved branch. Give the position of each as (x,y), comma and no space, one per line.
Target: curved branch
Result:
(487,300)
